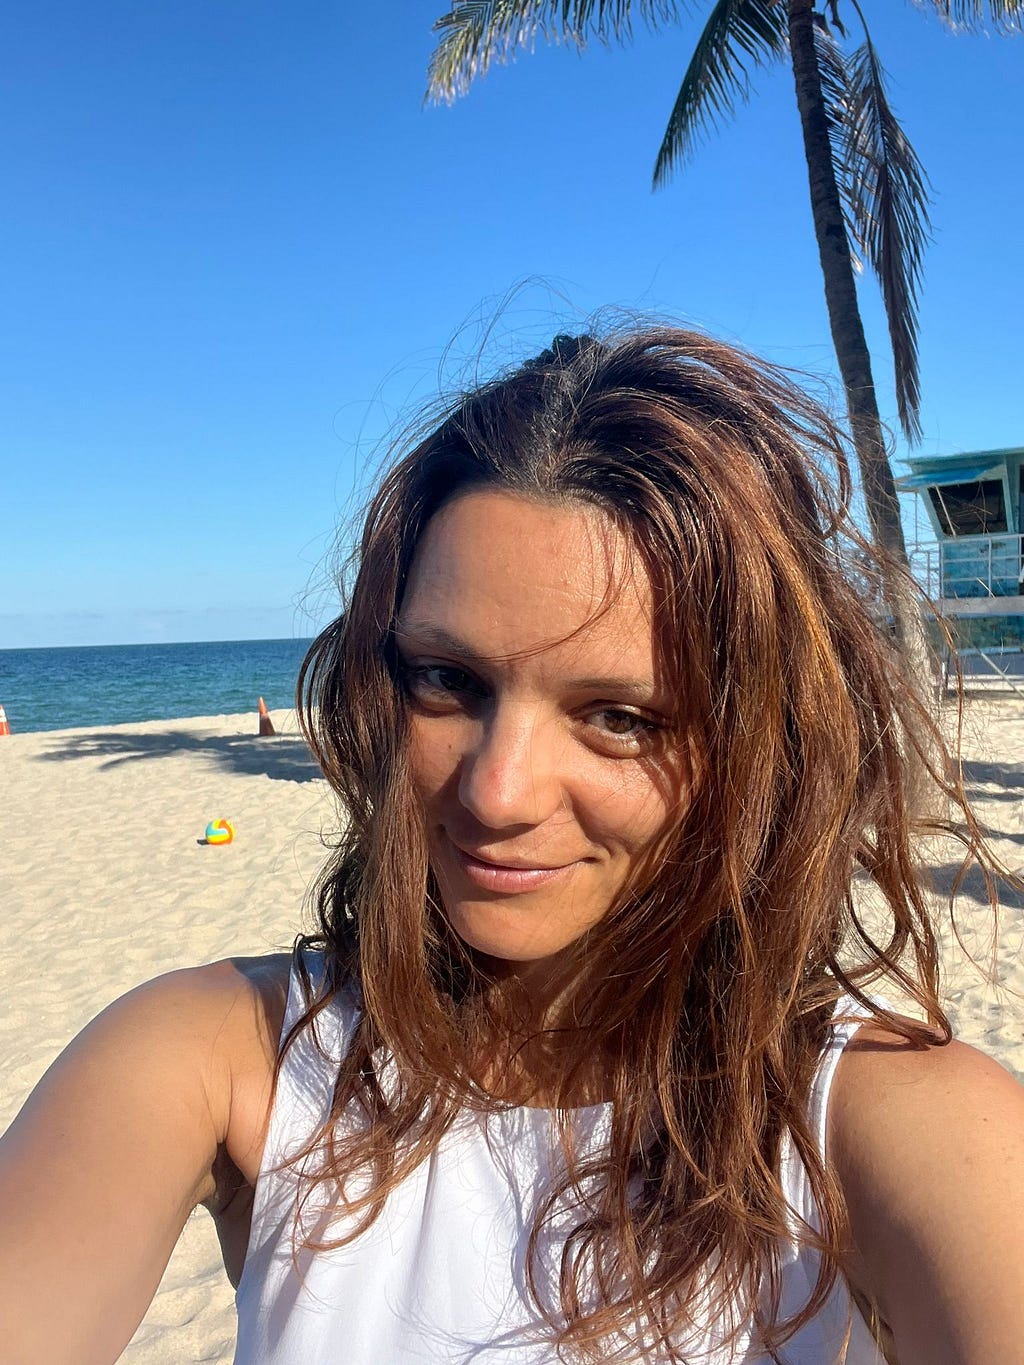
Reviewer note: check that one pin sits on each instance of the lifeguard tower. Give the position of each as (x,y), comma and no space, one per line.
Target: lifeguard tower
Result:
(974,572)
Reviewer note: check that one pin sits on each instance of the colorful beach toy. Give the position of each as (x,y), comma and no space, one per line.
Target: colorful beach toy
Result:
(220,832)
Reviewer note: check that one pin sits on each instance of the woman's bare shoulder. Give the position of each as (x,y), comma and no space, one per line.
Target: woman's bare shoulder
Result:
(928,1144)
(213,990)
(235,1008)
(225,983)
(221,1020)
(247,994)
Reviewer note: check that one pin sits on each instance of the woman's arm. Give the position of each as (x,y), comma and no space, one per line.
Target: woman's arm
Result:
(114,1149)
(929,1147)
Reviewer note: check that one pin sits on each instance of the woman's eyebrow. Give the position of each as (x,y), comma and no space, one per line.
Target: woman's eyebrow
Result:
(632,688)
(436,636)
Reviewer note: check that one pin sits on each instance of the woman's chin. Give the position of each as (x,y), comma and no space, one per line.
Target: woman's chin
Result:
(510,945)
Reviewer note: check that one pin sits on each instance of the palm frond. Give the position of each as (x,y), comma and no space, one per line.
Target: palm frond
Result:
(834,18)
(475,33)
(1005,16)
(834,73)
(887,194)
(739,34)
(835,80)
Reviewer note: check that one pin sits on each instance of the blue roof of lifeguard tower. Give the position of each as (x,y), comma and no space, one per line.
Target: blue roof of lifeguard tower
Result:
(967,467)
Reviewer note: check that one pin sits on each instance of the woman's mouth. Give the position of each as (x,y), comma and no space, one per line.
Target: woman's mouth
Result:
(511,877)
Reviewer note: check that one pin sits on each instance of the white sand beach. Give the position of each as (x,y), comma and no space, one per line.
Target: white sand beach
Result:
(104,885)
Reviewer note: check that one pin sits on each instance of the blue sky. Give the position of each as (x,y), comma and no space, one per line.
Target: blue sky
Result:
(237,252)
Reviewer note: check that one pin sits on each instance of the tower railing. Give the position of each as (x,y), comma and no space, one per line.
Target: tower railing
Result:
(971,566)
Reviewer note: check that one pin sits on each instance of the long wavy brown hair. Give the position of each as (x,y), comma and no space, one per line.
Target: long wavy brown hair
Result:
(707,993)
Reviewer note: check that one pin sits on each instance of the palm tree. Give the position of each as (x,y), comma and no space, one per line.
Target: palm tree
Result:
(868,190)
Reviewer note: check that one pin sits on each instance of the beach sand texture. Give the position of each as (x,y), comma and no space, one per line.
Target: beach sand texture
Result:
(105,886)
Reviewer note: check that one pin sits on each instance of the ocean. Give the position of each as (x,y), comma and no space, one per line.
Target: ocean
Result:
(54,689)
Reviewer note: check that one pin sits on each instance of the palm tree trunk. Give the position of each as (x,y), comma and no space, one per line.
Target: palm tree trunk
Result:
(847,329)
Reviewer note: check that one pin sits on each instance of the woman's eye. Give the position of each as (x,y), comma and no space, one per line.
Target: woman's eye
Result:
(626,727)
(440,680)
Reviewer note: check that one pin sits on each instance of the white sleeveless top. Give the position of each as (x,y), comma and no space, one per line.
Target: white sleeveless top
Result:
(439,1276)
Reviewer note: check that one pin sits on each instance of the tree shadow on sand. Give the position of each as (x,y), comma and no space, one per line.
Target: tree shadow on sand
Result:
(281,757)
(988,783)
(943,878)
(981,776)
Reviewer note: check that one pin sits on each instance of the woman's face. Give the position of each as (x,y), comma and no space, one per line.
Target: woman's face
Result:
(542,740)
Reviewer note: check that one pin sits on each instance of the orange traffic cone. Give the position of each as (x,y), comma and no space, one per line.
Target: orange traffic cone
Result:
(5,729)
(266,724)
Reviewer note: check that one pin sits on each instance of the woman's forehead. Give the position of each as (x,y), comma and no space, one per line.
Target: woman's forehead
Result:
(502,574)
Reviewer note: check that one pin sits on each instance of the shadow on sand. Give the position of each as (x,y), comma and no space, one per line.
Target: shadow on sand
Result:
(972,887)
(990,782)
(283,757)
(980,777)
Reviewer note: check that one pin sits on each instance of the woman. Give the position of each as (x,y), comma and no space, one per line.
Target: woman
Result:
(583,1063)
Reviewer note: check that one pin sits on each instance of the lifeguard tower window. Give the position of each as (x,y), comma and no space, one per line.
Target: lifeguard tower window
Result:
(970,509)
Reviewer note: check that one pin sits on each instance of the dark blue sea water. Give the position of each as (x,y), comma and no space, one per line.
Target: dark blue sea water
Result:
(54,689)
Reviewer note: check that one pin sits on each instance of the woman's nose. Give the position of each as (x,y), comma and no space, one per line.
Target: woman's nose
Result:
(512,775)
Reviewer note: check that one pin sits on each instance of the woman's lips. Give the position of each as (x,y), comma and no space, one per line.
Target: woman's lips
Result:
(505,877)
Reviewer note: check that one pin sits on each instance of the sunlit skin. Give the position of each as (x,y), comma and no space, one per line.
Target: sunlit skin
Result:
(543,746)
